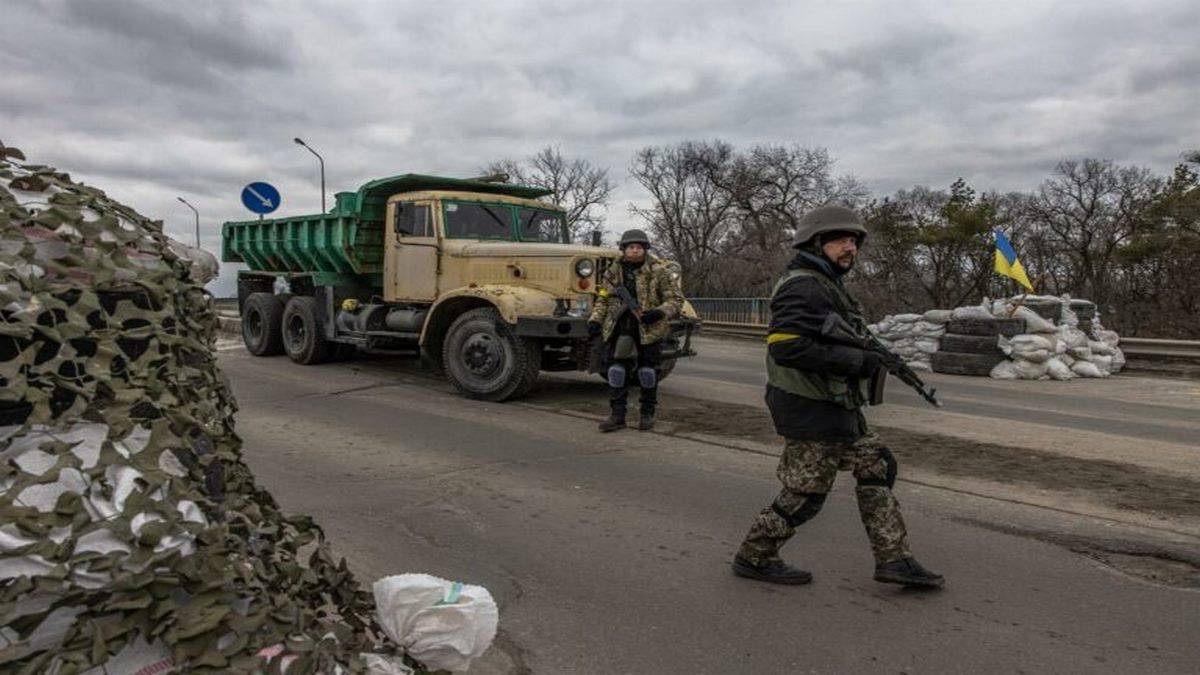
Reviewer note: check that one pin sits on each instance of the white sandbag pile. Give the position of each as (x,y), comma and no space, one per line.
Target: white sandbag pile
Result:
(1055,345)
(1035,338)
(914,337)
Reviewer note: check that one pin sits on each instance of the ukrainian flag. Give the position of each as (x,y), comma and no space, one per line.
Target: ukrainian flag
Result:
(1007,263)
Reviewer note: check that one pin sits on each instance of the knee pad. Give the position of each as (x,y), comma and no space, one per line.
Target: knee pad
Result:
(647,377)
(616,376)
(813,501)
(890,468)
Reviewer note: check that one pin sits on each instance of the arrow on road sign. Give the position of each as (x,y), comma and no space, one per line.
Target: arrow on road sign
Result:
(260,197)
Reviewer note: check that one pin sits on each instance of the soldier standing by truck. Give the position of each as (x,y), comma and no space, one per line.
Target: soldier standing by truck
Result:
(816,387)
(637,299)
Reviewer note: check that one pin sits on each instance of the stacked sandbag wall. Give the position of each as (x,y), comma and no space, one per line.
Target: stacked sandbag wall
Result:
(1031,337)
(915,337)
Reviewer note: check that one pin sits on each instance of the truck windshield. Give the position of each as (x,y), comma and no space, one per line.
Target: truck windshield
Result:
(538,225)
(474,220)
(466,220)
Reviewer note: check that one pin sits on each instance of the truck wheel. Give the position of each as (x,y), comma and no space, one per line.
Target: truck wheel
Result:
(262,324)
(302,339)
(485,359)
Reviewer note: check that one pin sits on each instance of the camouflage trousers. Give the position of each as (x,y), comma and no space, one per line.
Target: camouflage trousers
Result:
(807,470)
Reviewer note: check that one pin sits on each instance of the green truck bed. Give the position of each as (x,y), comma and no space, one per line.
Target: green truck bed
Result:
(347,242)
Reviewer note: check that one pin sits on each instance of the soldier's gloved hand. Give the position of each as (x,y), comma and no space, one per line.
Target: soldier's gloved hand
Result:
(594,329)
(871,363)
(652,316)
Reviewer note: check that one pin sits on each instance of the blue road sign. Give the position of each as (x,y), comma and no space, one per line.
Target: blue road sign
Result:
(260,197)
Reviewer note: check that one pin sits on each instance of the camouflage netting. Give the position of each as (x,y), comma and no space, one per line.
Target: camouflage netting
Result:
(128,520)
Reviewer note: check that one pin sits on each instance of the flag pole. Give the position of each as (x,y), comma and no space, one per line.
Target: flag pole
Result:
(1037,283)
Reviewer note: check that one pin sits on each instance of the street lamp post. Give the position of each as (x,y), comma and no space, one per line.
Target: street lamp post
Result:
(185,203)
(322,161)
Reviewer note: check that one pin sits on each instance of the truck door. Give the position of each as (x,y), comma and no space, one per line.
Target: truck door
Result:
(413,253)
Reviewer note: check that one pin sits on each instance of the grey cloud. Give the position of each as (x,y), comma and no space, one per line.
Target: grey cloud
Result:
(183,31)
(151,100)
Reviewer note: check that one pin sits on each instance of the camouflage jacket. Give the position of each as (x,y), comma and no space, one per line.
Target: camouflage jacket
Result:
(657,288)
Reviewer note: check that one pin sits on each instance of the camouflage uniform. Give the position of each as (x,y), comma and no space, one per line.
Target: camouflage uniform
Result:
(807,470)
(657,288)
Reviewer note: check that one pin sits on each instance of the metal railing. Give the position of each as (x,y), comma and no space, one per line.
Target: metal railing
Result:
(741,311)
(750,316)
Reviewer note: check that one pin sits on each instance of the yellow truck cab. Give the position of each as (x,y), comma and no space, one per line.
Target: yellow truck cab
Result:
(477,276)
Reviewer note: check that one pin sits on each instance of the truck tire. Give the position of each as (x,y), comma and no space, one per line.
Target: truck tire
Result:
(302,338)
(953,363)
(484,358)
(970,344)
(262,324)
(986,327)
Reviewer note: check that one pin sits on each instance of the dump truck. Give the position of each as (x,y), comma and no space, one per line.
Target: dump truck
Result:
(477,277)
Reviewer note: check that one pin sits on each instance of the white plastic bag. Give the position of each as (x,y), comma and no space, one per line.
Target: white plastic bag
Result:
(444,625)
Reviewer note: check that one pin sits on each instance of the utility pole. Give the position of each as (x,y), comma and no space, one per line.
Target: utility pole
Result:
(322,161)
(185,203)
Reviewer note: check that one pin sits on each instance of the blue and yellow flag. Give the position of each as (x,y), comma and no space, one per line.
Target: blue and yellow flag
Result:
(1007,263)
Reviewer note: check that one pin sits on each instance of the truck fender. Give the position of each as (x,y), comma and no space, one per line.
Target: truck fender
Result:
(510,301)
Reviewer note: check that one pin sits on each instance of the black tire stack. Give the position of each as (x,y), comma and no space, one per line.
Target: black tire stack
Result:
(1086,311)
(971,346)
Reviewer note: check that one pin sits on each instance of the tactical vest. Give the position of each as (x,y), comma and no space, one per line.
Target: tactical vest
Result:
(850,392)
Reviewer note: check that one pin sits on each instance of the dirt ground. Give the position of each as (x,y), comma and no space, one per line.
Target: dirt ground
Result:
(1114,484)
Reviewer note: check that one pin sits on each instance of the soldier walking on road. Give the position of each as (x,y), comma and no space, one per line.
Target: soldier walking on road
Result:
(632,329)
(815,391)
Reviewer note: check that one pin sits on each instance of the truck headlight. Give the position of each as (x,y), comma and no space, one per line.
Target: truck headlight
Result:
(585,268)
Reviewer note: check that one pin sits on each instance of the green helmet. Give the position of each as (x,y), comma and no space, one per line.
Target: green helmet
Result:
(828,219)
(634,237)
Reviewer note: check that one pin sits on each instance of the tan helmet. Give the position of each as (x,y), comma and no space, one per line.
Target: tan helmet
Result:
(828,219)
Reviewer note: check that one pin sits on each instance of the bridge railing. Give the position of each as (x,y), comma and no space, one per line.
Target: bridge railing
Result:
(742,311)
(750,316)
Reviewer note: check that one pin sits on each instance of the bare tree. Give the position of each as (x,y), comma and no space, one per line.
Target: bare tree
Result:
(689,217)
(772,187)
(1090,209)
(577,185)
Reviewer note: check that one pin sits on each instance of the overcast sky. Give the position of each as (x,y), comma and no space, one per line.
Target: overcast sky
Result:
(153,100)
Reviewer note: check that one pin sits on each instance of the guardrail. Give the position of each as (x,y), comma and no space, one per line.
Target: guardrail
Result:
(748,317)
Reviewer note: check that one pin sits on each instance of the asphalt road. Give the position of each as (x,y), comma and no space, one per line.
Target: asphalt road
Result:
(1132,407)
(609,554)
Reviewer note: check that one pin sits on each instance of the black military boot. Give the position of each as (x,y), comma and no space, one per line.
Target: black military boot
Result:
(774,572)
(646,422)
(613,423)
(908,572)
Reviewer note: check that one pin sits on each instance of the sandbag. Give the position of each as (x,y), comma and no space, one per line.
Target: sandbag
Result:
(906,318)
(1005,370)
(971,312)
(1058,370)
(1086,369)
(444,625)
(1118,360)
(927,346)
(1031,370)
(937,316)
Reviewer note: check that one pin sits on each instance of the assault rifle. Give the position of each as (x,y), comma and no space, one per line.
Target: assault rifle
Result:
(837,329)
(631,301)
